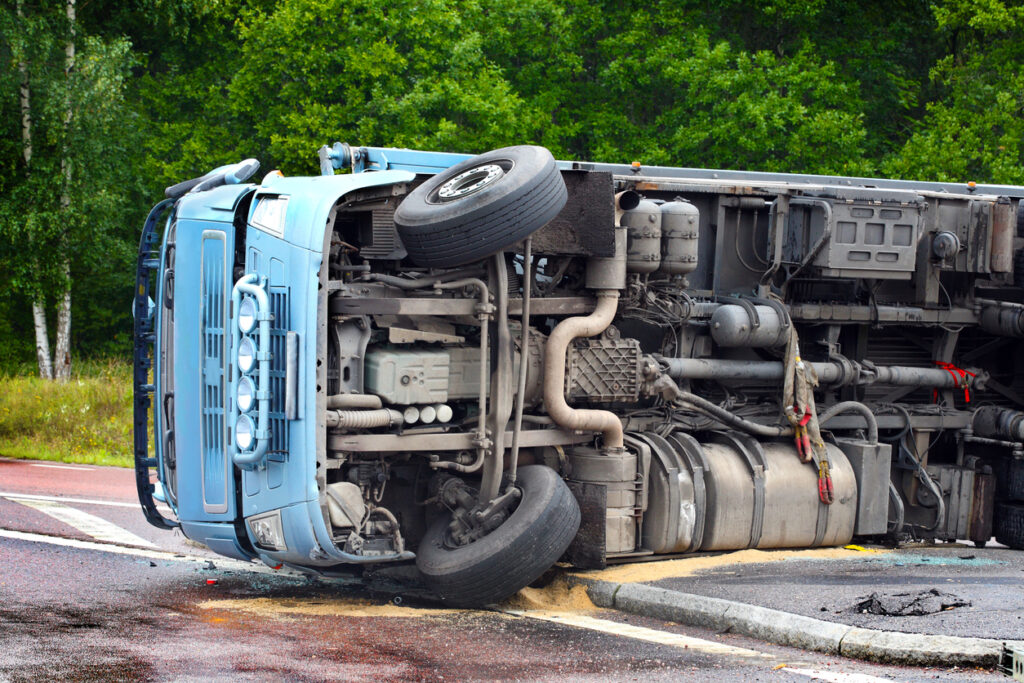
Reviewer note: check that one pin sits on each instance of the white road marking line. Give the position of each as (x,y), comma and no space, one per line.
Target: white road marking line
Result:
(687,642)
(836,676)
(59,467)
(80,501)
(88,524)
(220,562)
(640,633)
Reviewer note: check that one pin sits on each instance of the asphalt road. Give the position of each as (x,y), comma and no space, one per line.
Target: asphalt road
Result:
(89,591)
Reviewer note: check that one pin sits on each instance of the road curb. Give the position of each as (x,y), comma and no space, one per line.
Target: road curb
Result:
(784,628)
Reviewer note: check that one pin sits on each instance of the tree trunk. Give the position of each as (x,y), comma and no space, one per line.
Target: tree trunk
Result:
(62,355)
(42,340)
(62,358)
(38,305)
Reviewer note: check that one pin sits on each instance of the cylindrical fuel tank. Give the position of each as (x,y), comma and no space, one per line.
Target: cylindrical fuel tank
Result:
(680,225)
(617,473)
(643,226)
(735,492)
(789,505)
(732,327)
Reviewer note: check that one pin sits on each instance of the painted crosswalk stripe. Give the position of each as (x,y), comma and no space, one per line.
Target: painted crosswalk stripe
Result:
(78,501)
(640,633)
(60,467)
(88,524)
(151,554)
(836,676)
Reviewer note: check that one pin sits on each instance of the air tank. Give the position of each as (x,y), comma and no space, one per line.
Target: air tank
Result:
(680,226)
(643,225)
(732,327)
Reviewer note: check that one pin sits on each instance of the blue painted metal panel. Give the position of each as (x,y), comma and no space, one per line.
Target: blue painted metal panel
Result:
(218,537)
(310,200)
(217,204)
(290,473)
(206,479)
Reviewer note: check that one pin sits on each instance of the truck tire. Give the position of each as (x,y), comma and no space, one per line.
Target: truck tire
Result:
(1009,525)
(480,206)
(512,556)
(1009,474)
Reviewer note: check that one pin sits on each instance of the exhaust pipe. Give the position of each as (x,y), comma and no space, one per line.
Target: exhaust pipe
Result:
(554,377)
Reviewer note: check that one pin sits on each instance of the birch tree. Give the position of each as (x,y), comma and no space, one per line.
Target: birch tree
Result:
(63,198)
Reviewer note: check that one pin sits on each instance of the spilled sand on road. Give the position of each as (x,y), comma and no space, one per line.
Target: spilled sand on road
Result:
(343,607)
(558,596)
(673,569)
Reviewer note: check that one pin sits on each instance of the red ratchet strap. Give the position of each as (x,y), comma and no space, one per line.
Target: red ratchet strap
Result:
(959,376)
(826,492)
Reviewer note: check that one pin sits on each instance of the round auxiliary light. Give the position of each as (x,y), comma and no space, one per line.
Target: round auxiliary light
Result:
(246,354)
(247,314)
(246,394)
(245,431)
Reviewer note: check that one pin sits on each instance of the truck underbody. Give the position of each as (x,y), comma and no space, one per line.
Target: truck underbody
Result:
(497,362)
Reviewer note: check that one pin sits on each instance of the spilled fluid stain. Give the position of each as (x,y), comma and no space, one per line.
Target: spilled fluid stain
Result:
(897,559)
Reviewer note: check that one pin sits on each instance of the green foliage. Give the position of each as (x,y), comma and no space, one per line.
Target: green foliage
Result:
(974,130)
(87,420)
(164,91)
(409,73)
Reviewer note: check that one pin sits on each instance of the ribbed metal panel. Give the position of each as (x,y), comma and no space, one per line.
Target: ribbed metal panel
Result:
(893,346)
(278,332)
(214,298)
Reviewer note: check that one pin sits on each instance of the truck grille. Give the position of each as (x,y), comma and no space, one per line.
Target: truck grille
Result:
(278,332)
(214,269)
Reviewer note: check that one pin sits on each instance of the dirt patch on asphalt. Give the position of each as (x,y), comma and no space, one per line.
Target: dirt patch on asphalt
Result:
(687,566)
(288,607)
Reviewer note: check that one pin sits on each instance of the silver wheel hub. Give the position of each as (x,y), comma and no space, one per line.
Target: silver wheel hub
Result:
(469,181)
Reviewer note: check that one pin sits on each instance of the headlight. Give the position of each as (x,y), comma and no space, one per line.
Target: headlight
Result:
(246,354)
(246,394)
(247,315)
(245,430)
(267,531)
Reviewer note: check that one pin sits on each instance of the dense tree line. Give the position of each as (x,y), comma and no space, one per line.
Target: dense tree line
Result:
(105,102)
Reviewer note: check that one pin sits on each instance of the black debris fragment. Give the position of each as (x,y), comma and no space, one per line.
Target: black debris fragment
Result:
(917,604)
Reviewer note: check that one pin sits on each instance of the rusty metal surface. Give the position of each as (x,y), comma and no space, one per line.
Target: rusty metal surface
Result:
(588,548)
(586,224)
(979,523)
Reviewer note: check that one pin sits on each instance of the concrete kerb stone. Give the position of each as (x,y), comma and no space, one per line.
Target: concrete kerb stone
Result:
(784,628)
(919,649)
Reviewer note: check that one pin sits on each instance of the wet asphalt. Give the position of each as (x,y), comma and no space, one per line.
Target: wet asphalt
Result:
(981,590)
(93,612)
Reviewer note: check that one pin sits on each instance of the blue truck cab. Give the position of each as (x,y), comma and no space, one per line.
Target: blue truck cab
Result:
(487,364)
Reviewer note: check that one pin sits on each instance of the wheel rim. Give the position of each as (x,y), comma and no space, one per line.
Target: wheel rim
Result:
(471,181)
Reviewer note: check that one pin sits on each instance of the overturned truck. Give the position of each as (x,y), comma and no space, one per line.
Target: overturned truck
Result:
(486,365)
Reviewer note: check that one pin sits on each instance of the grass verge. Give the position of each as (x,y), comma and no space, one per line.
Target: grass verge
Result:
(87,420)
